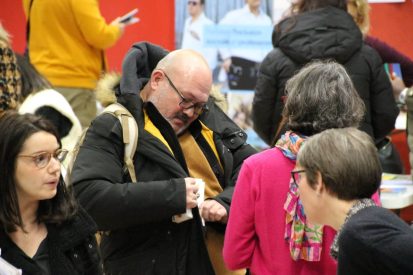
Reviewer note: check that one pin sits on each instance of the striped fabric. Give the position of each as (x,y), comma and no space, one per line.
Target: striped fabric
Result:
(305,239)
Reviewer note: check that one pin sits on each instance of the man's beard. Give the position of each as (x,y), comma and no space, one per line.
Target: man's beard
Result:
(185,119)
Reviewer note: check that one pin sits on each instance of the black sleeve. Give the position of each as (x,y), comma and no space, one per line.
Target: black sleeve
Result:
(98,180)
(234,151)
(238,155)
(384,110)
(267,106)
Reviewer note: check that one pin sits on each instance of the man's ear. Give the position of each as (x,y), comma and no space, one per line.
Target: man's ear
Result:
(156,76)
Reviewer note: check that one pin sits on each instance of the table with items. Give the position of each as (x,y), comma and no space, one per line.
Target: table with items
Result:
(396,191)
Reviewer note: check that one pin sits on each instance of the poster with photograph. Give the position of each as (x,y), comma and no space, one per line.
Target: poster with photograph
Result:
(234,37)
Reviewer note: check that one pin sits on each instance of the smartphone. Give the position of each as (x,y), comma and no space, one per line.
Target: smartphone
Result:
(129,17)
(395,68)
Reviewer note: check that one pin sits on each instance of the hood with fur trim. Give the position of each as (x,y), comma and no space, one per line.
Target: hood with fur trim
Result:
(105,89)
(137,66)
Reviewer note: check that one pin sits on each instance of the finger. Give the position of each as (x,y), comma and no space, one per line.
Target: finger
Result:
(222,214)
(215,215)
(195,188)
(218,212)
(211,214)
(193,204)
(205,213)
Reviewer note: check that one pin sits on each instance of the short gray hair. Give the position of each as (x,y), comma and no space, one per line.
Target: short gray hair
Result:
(322,96)
(347,160)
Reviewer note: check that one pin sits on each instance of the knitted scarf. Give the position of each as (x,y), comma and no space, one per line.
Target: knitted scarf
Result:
(305,239)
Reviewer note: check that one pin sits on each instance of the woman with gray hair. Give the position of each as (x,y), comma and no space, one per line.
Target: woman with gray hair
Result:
(267,230)
(337,172)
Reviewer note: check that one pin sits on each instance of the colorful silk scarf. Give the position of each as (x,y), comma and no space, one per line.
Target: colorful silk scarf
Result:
(305,239)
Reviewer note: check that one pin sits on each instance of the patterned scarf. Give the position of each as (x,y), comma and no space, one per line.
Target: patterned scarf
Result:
(305,239)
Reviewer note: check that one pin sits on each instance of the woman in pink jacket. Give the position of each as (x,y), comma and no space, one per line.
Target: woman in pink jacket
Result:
(267,230)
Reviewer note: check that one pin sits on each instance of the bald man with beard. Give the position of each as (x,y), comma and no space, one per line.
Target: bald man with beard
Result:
(183,135)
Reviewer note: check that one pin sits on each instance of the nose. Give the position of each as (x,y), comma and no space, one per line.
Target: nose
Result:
(54,166)
(190,112)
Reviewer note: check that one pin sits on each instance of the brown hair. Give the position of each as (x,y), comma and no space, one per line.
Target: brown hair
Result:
(15,129)
(347,160)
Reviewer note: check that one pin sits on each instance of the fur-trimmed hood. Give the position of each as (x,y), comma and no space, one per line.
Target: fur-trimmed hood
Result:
(137,68)
(105,89)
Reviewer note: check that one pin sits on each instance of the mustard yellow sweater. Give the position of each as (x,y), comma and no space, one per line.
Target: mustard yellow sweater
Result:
(67,38)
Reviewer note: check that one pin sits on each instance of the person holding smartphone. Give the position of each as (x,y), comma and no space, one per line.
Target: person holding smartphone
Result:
(68,48)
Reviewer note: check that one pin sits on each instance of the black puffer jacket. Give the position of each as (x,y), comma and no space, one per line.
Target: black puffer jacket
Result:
(71,249)
(320,34)
(143,239)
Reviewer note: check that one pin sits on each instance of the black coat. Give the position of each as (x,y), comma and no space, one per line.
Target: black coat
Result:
(375,241)
(143,239)
(326,33)
(71,249)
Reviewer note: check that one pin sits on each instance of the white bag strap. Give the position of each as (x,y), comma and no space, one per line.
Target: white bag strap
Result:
(130,134)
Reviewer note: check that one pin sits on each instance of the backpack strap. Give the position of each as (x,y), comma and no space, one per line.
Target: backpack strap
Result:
(130,134)
(70,159)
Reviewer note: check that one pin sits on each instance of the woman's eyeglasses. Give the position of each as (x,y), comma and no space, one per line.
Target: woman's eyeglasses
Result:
(43,159)
(295,175)
(186,104)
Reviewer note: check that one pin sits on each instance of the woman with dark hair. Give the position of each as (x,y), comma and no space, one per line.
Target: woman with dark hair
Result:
(267,229)
(337,172)
(322,29)
(41,99)
(42,229)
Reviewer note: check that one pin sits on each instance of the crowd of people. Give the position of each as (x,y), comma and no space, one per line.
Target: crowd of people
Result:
(201,199)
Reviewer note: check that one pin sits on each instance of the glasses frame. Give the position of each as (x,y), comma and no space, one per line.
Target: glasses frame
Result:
(59,155)
(294,172)
(199,108)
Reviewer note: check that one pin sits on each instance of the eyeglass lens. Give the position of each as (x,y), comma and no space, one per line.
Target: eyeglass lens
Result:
(186,104)
(43,159)
(199,108)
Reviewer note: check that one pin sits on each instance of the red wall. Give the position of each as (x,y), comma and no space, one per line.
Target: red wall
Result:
(393,23)
(390,22)
(156,24)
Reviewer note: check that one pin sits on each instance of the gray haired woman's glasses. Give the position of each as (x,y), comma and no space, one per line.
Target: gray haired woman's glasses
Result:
(41,160)
(295,175)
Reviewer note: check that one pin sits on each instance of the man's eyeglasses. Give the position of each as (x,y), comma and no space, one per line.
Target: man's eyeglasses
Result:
(186,104)
(295,175)
(193,3)
(43,159)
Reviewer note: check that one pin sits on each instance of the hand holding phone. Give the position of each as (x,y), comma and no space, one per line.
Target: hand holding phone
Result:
(129,19)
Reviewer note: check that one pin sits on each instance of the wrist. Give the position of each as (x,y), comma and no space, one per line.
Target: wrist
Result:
(402,95)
